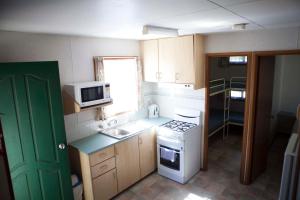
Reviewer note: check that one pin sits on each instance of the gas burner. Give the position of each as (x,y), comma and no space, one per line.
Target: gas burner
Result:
(178,126)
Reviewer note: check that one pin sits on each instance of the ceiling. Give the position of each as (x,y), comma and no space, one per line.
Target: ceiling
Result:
(126,18)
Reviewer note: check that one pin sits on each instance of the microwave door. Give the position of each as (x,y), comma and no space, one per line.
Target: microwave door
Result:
(91,94)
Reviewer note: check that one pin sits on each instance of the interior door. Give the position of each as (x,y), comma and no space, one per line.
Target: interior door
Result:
(33,129)
(263,110)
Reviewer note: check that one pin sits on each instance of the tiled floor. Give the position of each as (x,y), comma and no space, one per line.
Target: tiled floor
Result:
(220,182)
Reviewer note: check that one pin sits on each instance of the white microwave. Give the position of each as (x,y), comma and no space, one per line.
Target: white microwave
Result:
(89,93)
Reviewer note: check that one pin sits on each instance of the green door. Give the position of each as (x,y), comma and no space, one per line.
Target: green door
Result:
(33,127)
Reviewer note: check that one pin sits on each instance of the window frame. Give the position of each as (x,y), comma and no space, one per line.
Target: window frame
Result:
(139,78)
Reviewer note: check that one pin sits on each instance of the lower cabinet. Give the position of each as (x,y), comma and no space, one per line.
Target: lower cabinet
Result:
(127,162)
(105,186)
(147,147)
(108,172)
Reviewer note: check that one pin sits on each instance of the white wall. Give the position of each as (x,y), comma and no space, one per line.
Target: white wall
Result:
(258,40)
(169,97)
(75,62)
(74,55)
(286,91)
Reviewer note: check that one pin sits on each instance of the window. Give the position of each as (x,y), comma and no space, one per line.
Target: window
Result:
(122,74)
(237,94)
(238,59)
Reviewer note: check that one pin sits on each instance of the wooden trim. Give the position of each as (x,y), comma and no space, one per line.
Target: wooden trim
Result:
(257,54)
(225,54)
(251,90)
(277,52)
(86,176)
(206,114)
(71,106)
(245,172)
(246,158)
(118,57)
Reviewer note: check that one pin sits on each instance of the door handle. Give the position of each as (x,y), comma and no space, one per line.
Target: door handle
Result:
(62,146)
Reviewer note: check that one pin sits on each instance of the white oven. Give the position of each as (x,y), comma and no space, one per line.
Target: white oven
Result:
(179,146)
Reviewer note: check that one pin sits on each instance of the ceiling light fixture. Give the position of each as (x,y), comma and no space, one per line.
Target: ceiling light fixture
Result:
(239,27)
(159,31)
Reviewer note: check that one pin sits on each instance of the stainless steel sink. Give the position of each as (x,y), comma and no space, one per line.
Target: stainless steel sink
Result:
(116,133)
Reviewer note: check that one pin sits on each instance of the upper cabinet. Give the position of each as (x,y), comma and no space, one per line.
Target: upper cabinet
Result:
(174,60)
(150,60)
(166,62)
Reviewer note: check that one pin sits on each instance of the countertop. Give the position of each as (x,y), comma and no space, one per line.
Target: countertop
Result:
(100,141)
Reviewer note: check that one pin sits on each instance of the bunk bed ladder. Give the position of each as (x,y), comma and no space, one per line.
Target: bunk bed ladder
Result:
(236,83)
(227,109)
(216,87)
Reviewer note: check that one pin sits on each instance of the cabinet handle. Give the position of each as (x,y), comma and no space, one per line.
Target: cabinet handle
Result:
(114,174)
(177,76)
(140,141)
(103,167)
(102,154)
(160,76)
(116,151)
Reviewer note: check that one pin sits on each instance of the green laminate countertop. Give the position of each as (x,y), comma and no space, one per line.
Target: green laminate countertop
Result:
(98,141)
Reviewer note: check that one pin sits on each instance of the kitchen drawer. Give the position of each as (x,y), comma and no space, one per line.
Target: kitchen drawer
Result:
(102,155)
(103,167)
(105,186)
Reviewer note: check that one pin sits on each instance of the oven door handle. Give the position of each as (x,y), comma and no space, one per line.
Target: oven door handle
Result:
(176,151)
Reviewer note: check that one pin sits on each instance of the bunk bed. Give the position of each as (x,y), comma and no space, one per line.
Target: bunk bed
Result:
(217,119)
(236,117)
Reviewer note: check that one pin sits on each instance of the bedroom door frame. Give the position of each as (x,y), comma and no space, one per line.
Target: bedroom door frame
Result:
(249,117)
(255,67)
(245,170)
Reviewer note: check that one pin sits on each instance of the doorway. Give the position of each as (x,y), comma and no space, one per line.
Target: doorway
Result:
(276,99)
(226,112)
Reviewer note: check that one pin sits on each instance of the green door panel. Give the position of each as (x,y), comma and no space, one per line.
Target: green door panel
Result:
(38,97)
(33,127)
(21,187)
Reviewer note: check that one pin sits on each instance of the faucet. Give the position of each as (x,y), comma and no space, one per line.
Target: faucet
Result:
(112,122)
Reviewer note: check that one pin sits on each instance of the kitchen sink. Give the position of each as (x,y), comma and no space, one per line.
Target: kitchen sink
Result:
(116,133)
(126,130)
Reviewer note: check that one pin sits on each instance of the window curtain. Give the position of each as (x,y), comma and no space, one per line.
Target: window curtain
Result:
(100,76)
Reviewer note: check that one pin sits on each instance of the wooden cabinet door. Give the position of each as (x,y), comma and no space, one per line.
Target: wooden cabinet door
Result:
(32,120)
(127,162)
(150,60)
(167,59)
(184,60)
(147,146)
(105,186)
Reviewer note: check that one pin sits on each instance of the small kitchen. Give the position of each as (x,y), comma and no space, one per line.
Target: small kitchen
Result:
(162,131)
(149,100)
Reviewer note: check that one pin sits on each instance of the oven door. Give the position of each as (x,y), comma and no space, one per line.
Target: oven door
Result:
(92,95)
(167,165)
(173,161)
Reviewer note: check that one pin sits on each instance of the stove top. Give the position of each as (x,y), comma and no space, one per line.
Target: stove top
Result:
(179,126)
